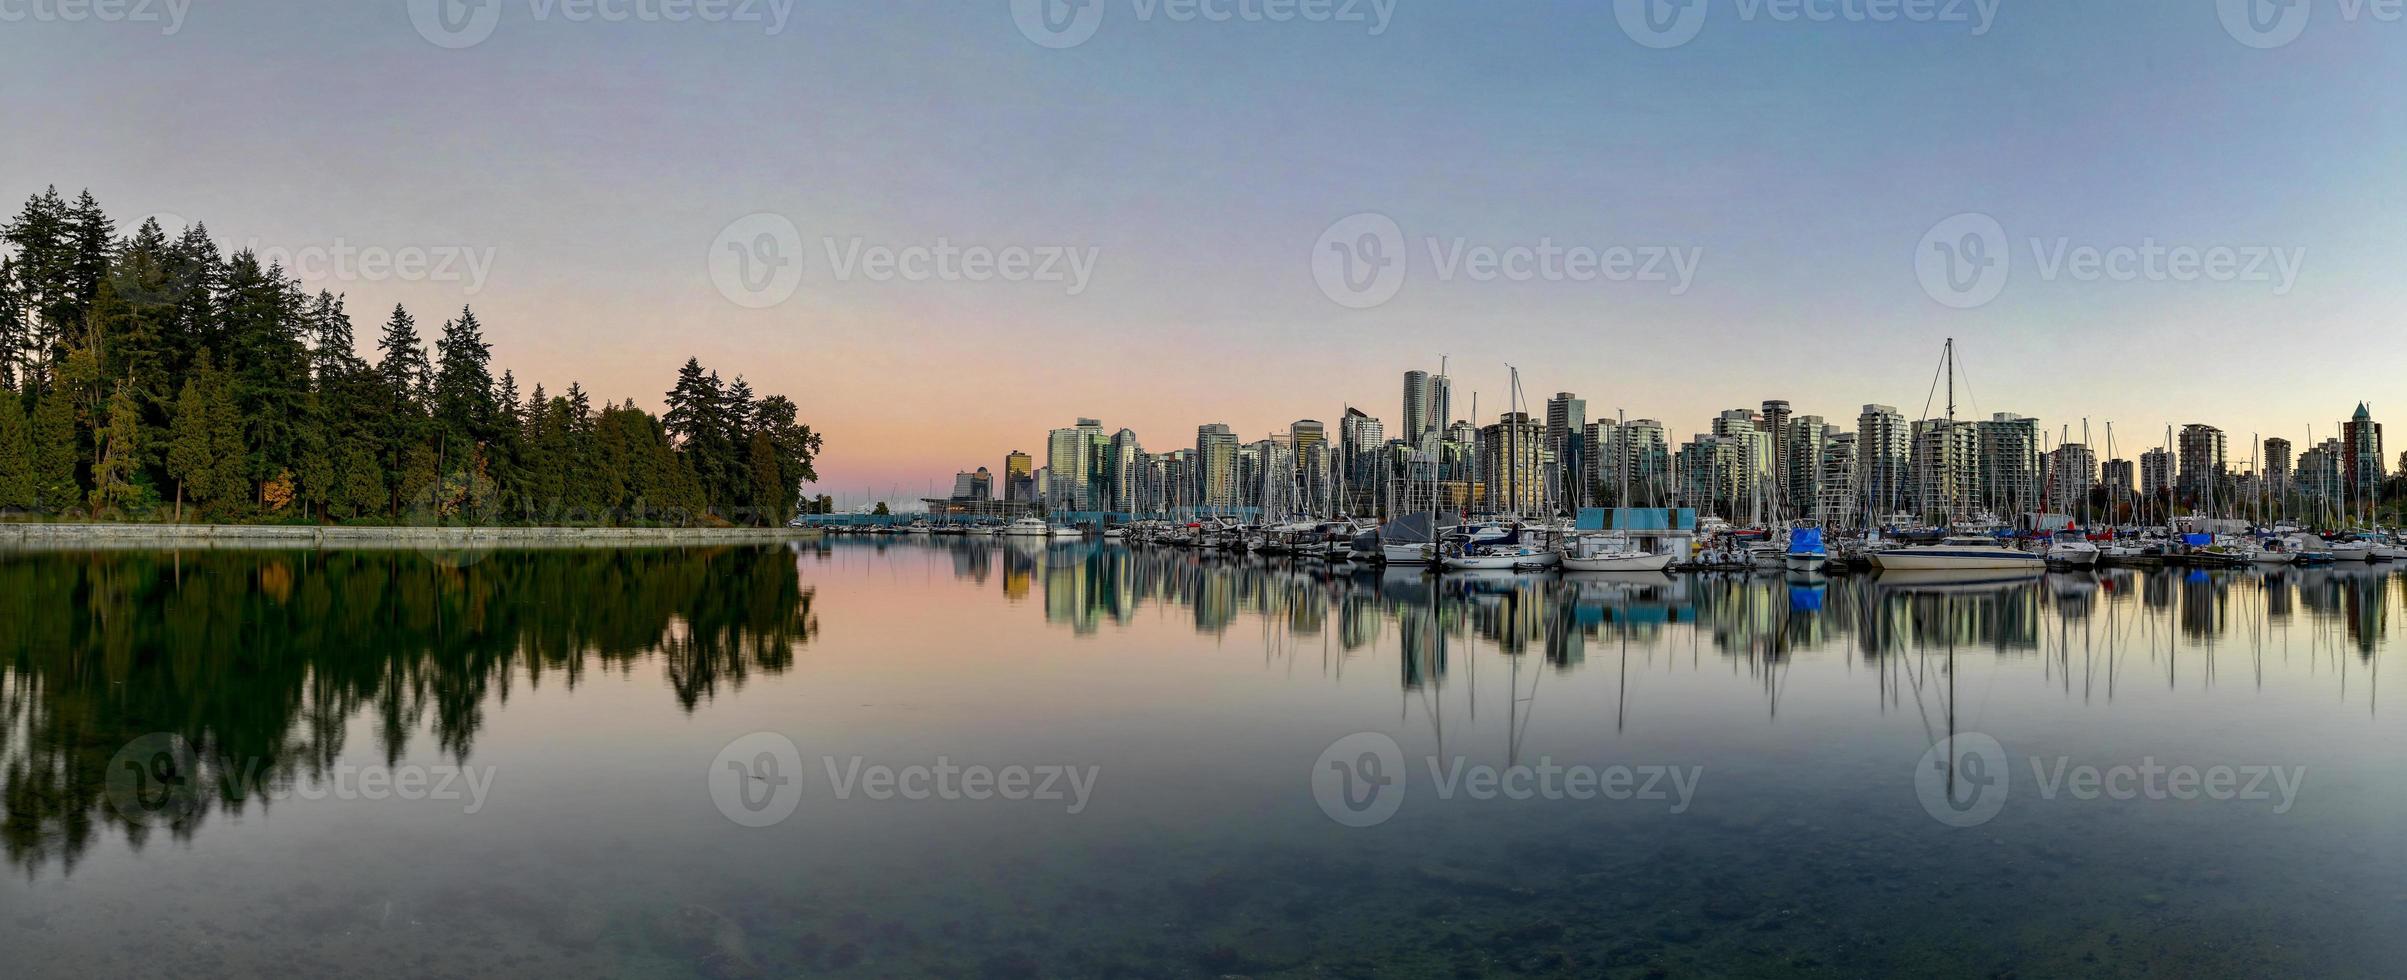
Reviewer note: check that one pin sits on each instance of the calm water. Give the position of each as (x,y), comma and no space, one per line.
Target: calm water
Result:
(402,764)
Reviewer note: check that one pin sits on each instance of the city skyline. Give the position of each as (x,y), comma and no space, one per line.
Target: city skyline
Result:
(1800,168)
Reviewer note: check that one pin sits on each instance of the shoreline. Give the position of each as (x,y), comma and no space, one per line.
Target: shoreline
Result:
(24,536)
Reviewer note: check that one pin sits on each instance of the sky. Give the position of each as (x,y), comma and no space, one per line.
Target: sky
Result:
(1256,211)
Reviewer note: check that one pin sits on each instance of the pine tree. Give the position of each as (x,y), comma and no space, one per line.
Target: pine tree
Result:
(55,452)
(16,458)
(229,472)
(189,460)
(116,474)
(12,323)
(361,490)
(464,381)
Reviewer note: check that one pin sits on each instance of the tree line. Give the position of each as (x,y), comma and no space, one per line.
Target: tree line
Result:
(151,377)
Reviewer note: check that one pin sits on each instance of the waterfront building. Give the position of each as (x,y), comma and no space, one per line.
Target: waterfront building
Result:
(2072,469)
(1315,478)
(2204,463)
(1646,452)
(1417,422)
(2116,476)
(2277,467)
(2156,473)
(1774,423)
(1361,477)
(1511,457)
(2008,461)
(1838,502)
(1798,459)
(2320,470)
(1071,457)
(2361,463)
(1946,469)
(1601,458)
(1883,447)
(973,487)
(1117,480)
(1751,495)
(1215,466)
(1441,402)
(1019,477)
(1566,434)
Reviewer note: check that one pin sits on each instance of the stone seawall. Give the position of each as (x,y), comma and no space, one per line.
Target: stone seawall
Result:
(286,536)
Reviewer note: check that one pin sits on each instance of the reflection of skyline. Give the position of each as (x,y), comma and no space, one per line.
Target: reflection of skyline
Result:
(1760,619)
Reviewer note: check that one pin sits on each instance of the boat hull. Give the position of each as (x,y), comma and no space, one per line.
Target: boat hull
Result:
(1404,554)
(1618,563)
(1909,560)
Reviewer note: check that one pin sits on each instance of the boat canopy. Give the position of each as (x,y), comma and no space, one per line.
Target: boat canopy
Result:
(1805,541)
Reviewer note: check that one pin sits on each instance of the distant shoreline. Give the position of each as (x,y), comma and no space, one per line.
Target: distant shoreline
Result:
(336,536)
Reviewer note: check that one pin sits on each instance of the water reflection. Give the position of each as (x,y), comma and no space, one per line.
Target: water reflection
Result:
(1762,617)
(268,656)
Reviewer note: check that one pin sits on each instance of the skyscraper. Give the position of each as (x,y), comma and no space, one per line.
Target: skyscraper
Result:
(1441,402)
(2156,473)
(1799,460)
(1566,428)
(1120,473)
(2008,463)
(2361,463)
(1646,451)
(1774,421)
(1946,468)
(2203,461)
(1215,466)
(1359,437)
(1019,477)
(1316,485)
(1069,465)
(2073,470)
(1511,457)
(2277,466)
(1416,408)
(1883,447)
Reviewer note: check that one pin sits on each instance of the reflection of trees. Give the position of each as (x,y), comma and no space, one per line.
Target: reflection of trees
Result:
(261,659)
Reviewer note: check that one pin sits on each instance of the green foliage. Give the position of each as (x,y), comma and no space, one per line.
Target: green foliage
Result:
(159,362)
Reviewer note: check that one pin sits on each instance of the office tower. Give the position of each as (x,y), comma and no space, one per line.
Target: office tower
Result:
(1646,452)
(1019,477)
(1751,494)
(1069,459)
(2203,463)
(1215,466)
(965,485)
(1316,484)
(2072,470)
(2361,464)
(1416,408)
(2320,471)
(2008,479)
(1883,446)
(2277,466)
(1120,473)
(1945,460)
(2117,477)
(1774,421)
(1601,457)
(1363,479)
(1511,463)
(1798,461)
(1566,427)
(1441,402)
(1837,504)
(2156,472)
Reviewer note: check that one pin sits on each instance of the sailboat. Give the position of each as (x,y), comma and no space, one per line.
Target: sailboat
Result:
(1957,552)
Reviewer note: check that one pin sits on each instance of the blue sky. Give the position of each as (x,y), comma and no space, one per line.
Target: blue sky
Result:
(1802,163)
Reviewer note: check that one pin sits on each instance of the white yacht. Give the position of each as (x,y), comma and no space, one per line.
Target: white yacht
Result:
(1964,552)
(1610,553)
(1026,527)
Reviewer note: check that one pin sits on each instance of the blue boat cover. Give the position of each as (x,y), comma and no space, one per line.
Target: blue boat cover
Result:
(1805,541)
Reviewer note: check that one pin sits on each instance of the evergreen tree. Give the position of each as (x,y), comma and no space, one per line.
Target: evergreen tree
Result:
(12,323)
(190,462)
(16,458)
(116,476)
(55,452)
(464,383)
